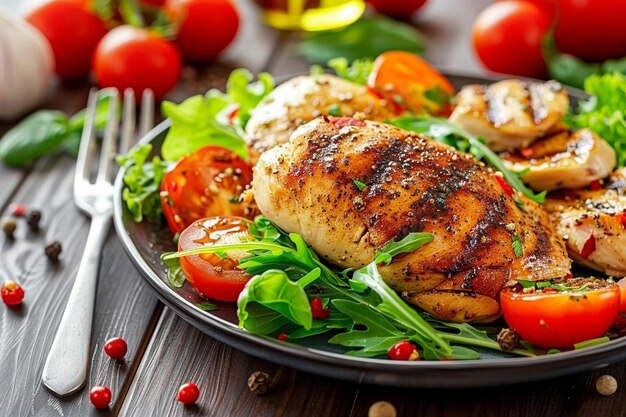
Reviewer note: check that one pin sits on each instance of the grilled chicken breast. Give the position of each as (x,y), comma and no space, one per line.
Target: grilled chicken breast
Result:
(511,114)
(413,184)
(564,160)
(593,224)
(304,98)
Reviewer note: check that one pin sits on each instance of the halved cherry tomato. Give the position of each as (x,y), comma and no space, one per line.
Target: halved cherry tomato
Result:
(407,80)
(560,319)
(206,183)
(214,276)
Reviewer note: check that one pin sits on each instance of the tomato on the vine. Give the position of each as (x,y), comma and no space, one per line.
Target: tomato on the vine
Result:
(73,32)
(206,27)
(214,276)
(398,9)
(206,183)
(130,57)
(508,35)
(411,83)
(559,319)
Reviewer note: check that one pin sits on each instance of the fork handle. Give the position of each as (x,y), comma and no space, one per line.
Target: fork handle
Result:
(65,371)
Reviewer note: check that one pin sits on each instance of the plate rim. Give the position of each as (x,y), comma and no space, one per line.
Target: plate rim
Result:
(340,366)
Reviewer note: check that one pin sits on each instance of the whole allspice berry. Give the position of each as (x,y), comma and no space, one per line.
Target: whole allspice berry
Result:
(32,219)
(8,227)
(507,339)
(259,382)
(53,250)
(382,409)
(606,385)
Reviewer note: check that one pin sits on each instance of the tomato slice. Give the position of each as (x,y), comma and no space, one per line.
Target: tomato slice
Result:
(206,183)
(214,276)
(405,79)
(557,319)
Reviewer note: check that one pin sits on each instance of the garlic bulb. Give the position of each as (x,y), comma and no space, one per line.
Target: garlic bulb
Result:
(26,66)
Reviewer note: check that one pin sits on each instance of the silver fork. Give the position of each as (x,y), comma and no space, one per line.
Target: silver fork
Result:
(65,371)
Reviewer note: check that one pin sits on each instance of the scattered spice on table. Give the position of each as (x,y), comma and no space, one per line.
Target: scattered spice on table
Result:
(8,227)
(507,339)
(259,382)
(606,385)
(53,250)
(32,219)
(382,409)
(18,210)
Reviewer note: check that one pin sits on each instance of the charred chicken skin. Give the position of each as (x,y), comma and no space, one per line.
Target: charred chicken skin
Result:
(304,98)
(413,184)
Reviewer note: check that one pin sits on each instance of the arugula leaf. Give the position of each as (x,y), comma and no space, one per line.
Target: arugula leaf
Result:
(450,134)
(335,321)
(591,342)
(518,248)
(409,243)
(175,273)
(142,183)
(273,289)
(358,72)
(356,41)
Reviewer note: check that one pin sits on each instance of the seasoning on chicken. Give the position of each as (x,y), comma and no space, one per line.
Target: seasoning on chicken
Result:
(412,184)
(304,98)
(563,160)
(593,224)
(511,114)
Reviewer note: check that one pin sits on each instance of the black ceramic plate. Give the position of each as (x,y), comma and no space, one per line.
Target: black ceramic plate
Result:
(145,242)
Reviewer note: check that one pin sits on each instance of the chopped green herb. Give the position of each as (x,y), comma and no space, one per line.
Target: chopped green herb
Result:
(175,273)
(358,72)
(206,306)
(360,185)
(518,248)
(334,110)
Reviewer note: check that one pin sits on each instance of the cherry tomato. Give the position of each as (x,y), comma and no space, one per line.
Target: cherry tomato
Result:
(213,276)
(205,183)
(12,294)
(398,9)
(604,34)
(507,37)
(116,348)
(403,351)
(73,32)
(560,319)
(100,397)
(188,393)
(407,80)
(130,57)
(206,27)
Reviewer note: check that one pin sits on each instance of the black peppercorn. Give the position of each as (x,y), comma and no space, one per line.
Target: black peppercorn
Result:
(32,219)
(508,339)
(8,227)
(259,382)
(53,250)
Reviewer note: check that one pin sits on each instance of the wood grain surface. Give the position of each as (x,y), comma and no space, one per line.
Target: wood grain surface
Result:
(164,350)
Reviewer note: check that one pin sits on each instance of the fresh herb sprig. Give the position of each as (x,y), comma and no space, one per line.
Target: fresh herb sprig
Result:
(450,134)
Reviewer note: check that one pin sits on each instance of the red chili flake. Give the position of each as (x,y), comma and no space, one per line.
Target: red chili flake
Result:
(595,185)
(549,290)
(283,337)
(569,275)
(18,210)
(621,217)
(317,309)
(589,247)
(375,91)
(508,190)
(527,152)
(340,122)
(232,114)
(403,351)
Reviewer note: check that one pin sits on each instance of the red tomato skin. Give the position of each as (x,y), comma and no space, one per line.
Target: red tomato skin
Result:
(559,320)
(507,38)
(12,294)
(398,9)
(593,30)
(222,285)
(73,33)
(206,28)
(129,57)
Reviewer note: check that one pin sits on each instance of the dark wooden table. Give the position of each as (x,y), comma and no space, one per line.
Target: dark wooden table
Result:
(165,351)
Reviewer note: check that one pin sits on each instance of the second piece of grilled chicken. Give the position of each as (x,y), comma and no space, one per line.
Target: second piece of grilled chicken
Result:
(413,184)
(511,114)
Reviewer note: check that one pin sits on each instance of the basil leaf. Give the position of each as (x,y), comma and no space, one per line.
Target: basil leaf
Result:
(409,243)
(357,40)
(175,273)
(39,134)
(274,290)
